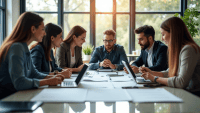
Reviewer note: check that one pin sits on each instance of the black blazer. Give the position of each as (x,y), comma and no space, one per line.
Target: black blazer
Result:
(63,56)
(40,62)
(160,60)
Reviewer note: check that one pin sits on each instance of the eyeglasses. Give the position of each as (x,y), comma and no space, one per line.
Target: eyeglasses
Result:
(109,41)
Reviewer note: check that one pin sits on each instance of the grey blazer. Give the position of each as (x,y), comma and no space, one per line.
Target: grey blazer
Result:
(63,56)
(188,76)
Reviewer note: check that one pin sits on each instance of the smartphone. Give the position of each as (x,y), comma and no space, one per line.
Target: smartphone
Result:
(130,87)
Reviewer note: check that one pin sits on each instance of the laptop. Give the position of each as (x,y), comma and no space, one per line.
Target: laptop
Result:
(138,81)
(74,84)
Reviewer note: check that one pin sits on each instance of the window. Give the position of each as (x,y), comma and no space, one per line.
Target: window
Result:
(96,16)
(2,20)
(195,4)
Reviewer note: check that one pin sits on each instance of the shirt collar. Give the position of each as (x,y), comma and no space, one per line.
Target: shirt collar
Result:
(150,50)
(104,49)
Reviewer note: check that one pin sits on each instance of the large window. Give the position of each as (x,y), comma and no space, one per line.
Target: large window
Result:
(2,20)
(195,4)
(96,16)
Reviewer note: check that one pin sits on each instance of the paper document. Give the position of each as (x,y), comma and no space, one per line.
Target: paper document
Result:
(120,79)
(96,85)
(107,95)
(106,70)
(96,79)
(61,95)
(152,95)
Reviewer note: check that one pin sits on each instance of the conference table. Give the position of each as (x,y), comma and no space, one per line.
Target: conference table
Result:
(191,103)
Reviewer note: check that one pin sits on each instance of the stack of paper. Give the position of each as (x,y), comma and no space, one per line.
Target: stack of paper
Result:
(61,95)
(96,79)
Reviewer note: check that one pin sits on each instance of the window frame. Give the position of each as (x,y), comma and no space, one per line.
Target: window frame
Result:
(132,15)
(3,9)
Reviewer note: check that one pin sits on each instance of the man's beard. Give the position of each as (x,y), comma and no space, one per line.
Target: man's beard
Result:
(146,45)
(109,47)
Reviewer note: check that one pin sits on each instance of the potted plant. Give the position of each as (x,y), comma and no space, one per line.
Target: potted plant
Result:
(87,50)
(190,19)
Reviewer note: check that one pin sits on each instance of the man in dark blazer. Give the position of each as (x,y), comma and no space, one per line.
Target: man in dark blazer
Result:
(153,54)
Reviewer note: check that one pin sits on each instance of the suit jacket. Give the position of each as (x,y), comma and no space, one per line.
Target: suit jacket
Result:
(63,56)
(40,62)
(160,59)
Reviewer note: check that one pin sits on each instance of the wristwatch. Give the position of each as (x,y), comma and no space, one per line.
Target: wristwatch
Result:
(55,72)
(155,78)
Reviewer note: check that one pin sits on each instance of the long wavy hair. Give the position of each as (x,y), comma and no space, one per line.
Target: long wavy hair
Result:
(77,31)
(21,31)
(180,37)
(51,30)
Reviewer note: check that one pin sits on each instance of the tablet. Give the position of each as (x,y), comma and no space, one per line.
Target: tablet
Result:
(22,106)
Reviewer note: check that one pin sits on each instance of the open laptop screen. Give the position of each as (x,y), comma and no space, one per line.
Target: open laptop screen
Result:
(78,79)
(129,69)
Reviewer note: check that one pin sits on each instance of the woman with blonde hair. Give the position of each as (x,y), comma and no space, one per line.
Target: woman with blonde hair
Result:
(184,58)
(69,55)
(16,68)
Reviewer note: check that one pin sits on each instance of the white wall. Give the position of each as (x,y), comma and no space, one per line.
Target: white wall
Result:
(12,14)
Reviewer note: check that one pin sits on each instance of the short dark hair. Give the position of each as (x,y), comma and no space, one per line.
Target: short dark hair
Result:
(110,32)
(147,30)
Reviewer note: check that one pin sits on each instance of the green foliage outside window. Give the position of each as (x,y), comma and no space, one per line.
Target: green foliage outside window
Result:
(189,18)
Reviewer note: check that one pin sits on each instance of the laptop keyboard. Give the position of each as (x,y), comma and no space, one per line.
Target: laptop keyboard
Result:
(68,83)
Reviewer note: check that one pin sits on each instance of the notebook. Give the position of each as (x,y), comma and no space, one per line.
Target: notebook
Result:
(74,84)
(139,80)
(7,106)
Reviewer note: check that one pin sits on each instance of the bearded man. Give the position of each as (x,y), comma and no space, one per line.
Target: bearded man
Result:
(153,53)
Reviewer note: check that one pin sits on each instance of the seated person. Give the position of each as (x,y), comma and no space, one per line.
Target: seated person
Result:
(42,53)
(108,55)
(153,54)
(184,58)
(16,67)
(69,54)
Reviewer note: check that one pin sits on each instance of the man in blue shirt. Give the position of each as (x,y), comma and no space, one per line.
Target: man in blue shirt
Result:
(153,54)
(109,55)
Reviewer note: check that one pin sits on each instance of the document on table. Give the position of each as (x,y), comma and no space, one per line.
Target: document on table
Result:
(152,95)
(120,79)
(84,84)
(61,95)
(96,79)
(107,95)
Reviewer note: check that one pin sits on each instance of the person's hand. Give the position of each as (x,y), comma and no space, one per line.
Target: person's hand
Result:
(103,63)
(144,69)
(109,64)
(125,70)
(61,76)
(67,73)
(54,81)
(147,76)
(135,69)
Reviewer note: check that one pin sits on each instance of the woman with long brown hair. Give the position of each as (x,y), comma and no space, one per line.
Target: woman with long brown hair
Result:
(69,55)
(42,53)
(184,58)
(16,69)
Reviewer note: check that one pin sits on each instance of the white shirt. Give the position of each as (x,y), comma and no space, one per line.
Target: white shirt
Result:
(72,59)
(150,55)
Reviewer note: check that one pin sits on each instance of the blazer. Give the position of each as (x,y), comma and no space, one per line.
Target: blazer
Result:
(188,75)
(63,56)
(115,56)
(160,58)
(17,71)
(40,62)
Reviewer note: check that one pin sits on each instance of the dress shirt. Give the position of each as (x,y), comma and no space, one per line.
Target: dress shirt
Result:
(115,56)
(149,57)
